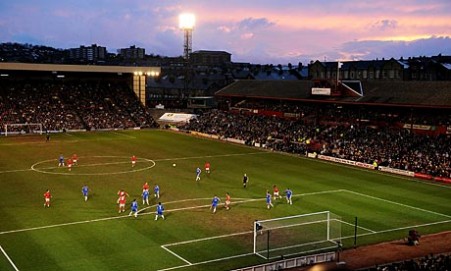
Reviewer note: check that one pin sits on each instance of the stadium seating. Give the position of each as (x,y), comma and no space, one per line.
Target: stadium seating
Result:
(338,132)
(72,106)
(428,263)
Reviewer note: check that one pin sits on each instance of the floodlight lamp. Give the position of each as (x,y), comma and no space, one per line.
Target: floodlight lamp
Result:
(187,21)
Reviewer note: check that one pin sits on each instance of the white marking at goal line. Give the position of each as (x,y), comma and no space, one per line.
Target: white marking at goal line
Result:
(9,259)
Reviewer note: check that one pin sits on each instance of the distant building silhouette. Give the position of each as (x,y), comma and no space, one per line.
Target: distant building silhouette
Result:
(132,53)
(88,53)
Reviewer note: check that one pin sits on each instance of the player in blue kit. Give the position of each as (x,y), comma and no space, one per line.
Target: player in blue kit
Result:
(214,203)
(198,171)
(288,194)
(134,208)
(61,161)
(145,196)
(156,191)
(85,191)
(160,210)
(268,200)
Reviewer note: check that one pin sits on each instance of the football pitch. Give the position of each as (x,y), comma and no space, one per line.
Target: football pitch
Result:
(76,235)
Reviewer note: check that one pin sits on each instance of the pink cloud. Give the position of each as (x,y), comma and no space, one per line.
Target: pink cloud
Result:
(247,36)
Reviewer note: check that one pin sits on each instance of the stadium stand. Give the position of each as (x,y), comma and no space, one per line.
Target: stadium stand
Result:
(428,263)
(368,137)
(63,106)
(407,92)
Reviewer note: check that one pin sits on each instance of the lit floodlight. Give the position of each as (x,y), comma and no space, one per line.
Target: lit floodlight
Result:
(187,21)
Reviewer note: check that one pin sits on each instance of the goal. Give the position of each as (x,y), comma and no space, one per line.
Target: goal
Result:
(296,235)
(23,128)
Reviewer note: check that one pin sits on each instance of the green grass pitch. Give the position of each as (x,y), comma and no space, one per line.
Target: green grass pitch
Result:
(77,235)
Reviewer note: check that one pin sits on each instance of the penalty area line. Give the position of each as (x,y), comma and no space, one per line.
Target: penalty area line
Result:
(9,259)
(152,206)
(176,255)
(208,261)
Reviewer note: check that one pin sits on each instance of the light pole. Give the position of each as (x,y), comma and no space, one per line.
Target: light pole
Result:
(186,23)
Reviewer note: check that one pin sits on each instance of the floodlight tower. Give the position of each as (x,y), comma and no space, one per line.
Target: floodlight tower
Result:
(186,23)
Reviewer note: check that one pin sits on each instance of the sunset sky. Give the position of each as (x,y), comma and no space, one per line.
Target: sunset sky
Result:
(256,31)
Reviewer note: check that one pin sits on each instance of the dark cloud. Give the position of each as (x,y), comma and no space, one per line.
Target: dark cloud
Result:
(373,49)
(251,23)
(385,24)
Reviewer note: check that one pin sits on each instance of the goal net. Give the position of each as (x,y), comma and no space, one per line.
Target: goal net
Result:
(23,128)
(295,235)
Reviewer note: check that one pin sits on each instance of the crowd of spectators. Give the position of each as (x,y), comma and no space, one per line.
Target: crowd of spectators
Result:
(336,134)
(368,135)
(62,106)
(440,262)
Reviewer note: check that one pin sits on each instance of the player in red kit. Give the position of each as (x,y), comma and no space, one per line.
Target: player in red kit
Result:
(276,193)
(145,187)
(207,167)
(227,201)
(70,162)
(121,193)
(47,197)
(133,160)
(75,158)
(122,200)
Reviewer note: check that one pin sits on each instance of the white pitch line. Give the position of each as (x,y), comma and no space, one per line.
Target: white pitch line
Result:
(42,170)
(153,206)
(209,261)
(9,259)
(16,170)
(345,237)
(176,255)
(397,203)
(397,229)
(207,238)
(244,200)
(248,254)
(64,224)
(363,228)
(166,159)
(370,232)
(89,165)
(104,219)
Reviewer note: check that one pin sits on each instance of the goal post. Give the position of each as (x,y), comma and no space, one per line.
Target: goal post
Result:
(295,235)
(23,128)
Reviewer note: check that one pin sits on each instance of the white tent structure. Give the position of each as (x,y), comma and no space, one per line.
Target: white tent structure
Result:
(176,117)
